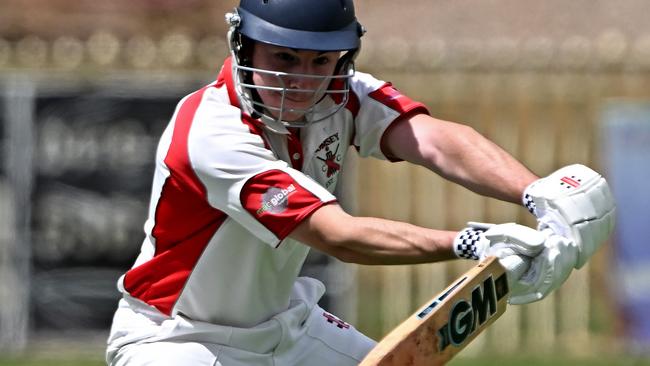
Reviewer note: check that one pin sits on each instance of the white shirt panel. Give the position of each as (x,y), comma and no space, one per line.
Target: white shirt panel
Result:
(239,282)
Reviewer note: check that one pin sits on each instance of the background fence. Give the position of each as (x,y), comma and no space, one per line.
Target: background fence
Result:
(546,119)
(82,111)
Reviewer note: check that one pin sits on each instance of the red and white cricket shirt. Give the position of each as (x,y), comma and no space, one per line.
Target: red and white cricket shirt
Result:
(228,190)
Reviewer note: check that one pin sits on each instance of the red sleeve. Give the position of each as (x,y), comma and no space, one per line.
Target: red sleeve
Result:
(277,201)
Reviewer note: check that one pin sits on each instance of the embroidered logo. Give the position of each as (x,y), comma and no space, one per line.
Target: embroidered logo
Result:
(336,321)
(570,182)
(331,159)
(331,167)
(276,200)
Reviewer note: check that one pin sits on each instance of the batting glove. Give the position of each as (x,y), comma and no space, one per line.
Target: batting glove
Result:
(513,244)
(574,202)
(547,271)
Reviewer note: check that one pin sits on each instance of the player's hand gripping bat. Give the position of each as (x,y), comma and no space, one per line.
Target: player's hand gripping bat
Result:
(448,322)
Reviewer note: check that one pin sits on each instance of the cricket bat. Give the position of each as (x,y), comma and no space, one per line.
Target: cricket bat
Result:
(448,322)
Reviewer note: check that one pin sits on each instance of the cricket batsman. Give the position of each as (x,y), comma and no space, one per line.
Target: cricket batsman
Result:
(246,181)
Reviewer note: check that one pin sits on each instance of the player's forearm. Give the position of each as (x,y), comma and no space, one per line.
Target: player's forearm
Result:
(481,166)
(368,240)
(459,153)
(372,240)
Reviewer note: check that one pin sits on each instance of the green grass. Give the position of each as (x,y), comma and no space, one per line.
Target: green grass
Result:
(58,354)
(551,361)
(59,361)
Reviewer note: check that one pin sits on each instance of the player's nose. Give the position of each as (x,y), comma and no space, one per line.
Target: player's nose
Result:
(297,81)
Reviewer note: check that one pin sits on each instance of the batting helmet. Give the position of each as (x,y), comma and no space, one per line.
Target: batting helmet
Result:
(319,25)
(316,25)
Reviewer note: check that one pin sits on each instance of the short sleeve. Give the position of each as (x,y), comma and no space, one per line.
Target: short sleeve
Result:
(380,105)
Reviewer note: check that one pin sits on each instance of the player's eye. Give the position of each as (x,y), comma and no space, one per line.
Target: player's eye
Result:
(286,57)
(322,60)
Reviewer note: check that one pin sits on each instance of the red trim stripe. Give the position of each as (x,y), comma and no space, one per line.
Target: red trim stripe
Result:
(177,158)
(353,104)
(294,146)
(184,222)
(226,77)
(573,183)
(395,100)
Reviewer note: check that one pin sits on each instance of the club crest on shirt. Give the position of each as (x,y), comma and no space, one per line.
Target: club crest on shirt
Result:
(328,154)
(275,200)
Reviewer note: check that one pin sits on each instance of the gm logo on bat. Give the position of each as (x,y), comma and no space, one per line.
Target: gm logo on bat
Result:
(467,315)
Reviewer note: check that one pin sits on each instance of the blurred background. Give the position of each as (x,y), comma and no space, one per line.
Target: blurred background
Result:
(86,88)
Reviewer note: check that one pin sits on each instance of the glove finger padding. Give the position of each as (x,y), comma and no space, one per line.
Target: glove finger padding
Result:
(593,234)
(574,202)
(521,239)
(548,271)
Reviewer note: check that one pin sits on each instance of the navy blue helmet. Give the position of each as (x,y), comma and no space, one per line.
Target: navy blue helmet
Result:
(314,25)
(319,25)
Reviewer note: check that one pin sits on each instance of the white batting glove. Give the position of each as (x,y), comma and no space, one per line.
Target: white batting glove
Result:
(513,244)
(548,270)
(574,202)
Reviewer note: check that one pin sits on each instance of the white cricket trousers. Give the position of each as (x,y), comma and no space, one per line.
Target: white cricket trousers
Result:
(298,336)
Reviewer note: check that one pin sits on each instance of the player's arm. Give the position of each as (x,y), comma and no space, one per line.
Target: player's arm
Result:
(370,240)
(458,153)
(581,217)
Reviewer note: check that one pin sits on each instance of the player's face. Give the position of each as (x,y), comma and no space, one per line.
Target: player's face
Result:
(287,60)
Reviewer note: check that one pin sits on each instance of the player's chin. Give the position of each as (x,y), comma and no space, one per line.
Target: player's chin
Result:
(292,111)
(289,116)
(294,107)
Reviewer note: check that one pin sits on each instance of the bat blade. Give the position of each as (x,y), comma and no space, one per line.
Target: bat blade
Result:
(448,322)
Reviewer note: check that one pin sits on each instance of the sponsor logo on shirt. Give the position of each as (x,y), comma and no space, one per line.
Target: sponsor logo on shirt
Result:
(276,200)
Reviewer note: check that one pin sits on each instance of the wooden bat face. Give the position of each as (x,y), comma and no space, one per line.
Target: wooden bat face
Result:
(447,322)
